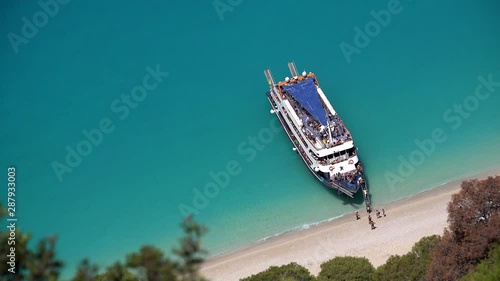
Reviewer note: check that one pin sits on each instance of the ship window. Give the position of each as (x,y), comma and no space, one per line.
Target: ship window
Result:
(351,151)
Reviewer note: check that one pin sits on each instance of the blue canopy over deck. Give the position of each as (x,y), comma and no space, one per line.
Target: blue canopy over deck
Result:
(306,94)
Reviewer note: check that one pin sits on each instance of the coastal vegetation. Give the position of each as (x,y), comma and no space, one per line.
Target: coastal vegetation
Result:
(346,268)
(474,226)
(149,263)
(289,272)
(411,266)
(488,269)
(469,249)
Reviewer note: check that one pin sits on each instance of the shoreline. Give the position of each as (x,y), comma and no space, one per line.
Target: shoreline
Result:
(408,219)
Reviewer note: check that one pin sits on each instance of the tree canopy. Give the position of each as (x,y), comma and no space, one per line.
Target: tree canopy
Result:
(85,271)
(474,226)
(116,272)
(151,264)
(412,266)
(346,268)
(289,272)
(488,269)
(190,251)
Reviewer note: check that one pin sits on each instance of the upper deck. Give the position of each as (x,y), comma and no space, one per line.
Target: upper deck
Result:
(314,114)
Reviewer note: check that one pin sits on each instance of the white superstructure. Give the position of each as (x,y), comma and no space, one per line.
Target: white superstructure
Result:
(316,130)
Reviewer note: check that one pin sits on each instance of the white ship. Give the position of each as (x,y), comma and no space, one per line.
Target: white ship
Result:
(317,132)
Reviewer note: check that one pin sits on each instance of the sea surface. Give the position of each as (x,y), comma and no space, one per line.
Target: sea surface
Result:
(414,78)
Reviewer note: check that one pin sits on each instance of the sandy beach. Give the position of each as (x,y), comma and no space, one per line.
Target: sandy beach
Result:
(406,222)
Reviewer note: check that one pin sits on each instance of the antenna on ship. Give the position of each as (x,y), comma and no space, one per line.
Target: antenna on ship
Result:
(293,69)
(269,77)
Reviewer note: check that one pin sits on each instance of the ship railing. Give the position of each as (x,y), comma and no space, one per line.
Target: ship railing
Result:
(338,159)
(274,97)
(296,130)
(295,141)
(273,102)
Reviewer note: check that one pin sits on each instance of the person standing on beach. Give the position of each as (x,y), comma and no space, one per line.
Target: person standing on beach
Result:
(357,216)
(368,208)
(383,212)
(372,224)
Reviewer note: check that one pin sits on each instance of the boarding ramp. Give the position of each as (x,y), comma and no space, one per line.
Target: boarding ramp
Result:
(342,189)
(269,77)
(293,69)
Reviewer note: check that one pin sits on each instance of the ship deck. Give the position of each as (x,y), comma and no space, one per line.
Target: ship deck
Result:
(324,129)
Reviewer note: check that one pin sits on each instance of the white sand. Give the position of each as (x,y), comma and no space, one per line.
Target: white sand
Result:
(407,221)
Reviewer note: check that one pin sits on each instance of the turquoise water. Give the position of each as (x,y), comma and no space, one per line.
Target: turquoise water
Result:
(128,190)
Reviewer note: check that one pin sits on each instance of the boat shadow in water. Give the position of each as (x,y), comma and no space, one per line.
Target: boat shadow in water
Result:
(357,201)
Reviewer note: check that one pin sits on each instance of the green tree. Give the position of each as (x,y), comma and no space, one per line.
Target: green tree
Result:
(43,264)
(347,268)
(412,266)
(152,264)
(85,271)
(190,251)
(488,269)
(289,272)
(395,268)
(116,272)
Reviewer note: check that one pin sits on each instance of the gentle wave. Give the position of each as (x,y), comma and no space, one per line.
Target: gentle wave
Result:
(315,224)
(298,228)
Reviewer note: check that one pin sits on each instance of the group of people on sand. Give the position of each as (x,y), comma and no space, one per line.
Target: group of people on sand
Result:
(370,220)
